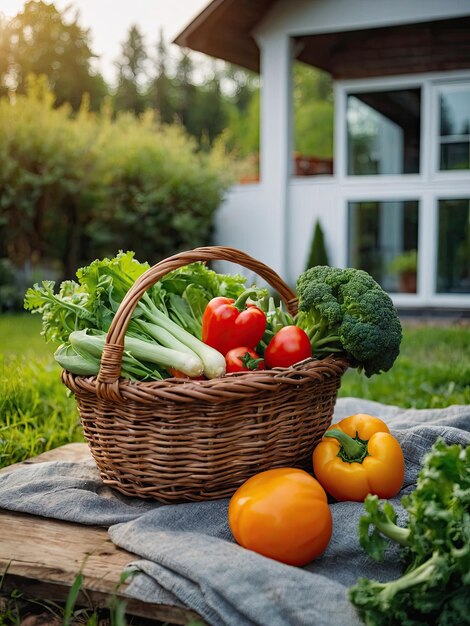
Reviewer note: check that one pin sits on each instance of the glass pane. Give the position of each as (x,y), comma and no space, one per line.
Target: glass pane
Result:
(383,240)
(455,112)
(384,132)
(454,128)
(453,262)
(455,156)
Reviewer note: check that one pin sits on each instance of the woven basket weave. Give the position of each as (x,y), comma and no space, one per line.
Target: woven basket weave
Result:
(175,439)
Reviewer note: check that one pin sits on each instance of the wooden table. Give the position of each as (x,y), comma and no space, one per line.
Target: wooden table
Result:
(42,557)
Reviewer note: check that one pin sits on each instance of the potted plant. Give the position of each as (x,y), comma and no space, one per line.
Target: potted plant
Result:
(406,265)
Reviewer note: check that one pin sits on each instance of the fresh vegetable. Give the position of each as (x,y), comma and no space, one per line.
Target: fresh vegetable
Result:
(282,514)
(435,586)
(288,346)
(177,374)
(276,318)
(346,311)
(213,361)
(243,360)
(358,456)
(229,323)
(184,293)
(92,342)
(92,302)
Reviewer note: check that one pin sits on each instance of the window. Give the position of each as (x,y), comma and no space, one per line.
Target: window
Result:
(313,114)
(453,257)
(454,128)
(383,132)
(383,240)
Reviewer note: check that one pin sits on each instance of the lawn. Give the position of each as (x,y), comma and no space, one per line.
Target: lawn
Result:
(37,414)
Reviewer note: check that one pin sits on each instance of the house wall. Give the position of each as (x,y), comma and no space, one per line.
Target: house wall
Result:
(245,221)
(274,220)
(251,218)
(277,51)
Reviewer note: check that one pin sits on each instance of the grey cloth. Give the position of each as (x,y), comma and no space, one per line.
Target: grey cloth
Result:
(188,556)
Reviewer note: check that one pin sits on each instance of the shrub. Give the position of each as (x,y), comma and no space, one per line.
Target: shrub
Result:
(77,186)
(318,254)
(9,297)
(159,193)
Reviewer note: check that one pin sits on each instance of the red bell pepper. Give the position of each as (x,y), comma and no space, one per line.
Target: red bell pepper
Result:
(228,324)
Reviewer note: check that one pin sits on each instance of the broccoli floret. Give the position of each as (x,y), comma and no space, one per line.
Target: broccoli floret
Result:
(346,310)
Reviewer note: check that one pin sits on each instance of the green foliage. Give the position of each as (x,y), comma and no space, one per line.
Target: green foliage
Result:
(47,158)
(43,41)
(318,254)
(159,194)
(242,134)
(131,71)
(77,187)
(160,93)
(313,111)
(9,296)
(164,333)
(405,262)
(435,587)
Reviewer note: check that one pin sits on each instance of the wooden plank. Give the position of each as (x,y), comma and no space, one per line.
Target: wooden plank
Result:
(43,556)
(70,452)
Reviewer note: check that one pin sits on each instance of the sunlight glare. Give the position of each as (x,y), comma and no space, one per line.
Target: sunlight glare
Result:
(11,7)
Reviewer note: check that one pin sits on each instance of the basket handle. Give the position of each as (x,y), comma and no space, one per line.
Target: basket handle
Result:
(111,360)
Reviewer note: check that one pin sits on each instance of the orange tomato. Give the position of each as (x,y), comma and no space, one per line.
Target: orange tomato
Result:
(282,514)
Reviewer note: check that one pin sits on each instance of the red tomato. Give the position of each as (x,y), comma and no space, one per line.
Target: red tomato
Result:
(288,346)
(282,514)
(238,361)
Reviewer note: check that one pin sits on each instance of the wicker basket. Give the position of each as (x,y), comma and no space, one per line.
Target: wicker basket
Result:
(176,440)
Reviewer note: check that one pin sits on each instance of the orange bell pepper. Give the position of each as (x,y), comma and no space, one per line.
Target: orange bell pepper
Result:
(358,456)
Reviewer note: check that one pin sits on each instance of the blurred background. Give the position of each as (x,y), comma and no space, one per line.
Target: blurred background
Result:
(113,137)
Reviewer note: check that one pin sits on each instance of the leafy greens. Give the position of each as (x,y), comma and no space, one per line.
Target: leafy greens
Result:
(435,587)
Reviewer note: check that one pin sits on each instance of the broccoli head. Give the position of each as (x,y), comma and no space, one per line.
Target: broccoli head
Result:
(347,311)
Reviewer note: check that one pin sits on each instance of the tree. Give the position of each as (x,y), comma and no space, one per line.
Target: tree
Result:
(4,47)
(186,92)
(242,85)
(42,41)
(160,94)
(318,254)
(131,73)
(210,113)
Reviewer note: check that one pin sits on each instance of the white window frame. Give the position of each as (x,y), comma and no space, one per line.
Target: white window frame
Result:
(438,87)
(427,187)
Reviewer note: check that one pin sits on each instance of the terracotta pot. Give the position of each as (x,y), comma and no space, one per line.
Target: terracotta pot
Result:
(408,282)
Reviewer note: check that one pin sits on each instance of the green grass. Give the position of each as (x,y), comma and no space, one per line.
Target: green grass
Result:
(37,413)
(432,371)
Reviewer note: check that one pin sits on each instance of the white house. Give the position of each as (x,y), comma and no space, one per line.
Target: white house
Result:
(401,175)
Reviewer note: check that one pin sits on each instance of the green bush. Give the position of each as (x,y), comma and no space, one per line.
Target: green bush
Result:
(9,297)
(76,186)
(160,193)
